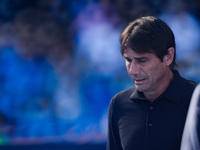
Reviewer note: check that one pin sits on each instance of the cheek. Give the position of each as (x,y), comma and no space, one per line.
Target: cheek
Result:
(127,66)
(156,72)
(152,70)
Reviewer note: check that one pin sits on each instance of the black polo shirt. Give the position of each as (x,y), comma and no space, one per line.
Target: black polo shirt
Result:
(136,123)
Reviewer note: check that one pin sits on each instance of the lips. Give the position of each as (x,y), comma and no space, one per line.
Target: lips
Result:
(139,81)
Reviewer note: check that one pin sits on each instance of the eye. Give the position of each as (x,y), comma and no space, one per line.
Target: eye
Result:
(142,60)
(128,60)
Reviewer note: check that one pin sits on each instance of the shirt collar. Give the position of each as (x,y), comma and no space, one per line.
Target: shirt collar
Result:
(176,88)
(173,92)
(136,96)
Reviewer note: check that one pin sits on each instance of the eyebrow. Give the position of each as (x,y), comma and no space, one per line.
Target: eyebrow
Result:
(137,58)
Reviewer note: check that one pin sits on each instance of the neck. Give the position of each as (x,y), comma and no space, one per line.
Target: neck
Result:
(151,96)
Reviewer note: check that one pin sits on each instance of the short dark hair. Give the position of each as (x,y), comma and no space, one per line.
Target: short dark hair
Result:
(148,34)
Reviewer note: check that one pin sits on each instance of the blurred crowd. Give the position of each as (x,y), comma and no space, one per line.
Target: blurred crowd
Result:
(60,63)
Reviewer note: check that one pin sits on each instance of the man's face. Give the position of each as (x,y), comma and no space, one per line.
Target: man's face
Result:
(146,70)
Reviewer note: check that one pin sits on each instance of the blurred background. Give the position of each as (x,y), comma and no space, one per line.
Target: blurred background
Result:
(60,65)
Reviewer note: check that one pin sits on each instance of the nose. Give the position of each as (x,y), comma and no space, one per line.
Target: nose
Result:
(134,68)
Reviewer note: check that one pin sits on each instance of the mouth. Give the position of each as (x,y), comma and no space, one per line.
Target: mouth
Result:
(139,81)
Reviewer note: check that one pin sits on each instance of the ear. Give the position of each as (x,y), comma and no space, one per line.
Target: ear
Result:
(169,57)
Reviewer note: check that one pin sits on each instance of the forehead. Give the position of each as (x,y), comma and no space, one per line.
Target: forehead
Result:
(128,52)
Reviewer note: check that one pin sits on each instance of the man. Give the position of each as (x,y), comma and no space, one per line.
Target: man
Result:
(150,115)
(191,134)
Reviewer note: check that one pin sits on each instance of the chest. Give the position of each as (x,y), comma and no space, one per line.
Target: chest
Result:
(151,126)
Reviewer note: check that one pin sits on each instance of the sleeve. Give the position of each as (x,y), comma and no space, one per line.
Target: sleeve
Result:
(113,138)
(191,133)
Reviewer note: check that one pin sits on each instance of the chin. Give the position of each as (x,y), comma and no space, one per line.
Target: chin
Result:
(140,89)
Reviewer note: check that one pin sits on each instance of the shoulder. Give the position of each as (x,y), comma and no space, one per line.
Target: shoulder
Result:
(189,88)
(120,101)
(122,96)
(181,79)
(124,93)
(191,84)
(184,82)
